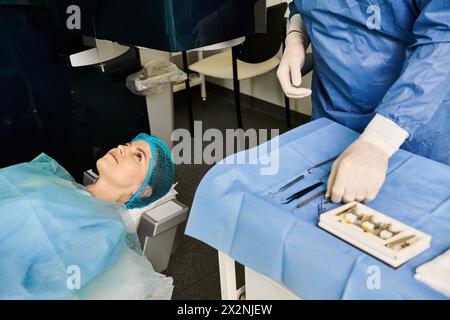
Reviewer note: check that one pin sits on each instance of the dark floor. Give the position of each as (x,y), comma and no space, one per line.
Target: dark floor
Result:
(118,115)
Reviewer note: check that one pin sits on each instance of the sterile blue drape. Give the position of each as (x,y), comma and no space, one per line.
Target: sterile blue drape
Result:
(51,228)
(233,212)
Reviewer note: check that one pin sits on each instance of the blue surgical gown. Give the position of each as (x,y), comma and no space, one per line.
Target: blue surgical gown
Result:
(399,68)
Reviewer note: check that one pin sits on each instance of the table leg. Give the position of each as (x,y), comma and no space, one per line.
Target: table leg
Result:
(227,271)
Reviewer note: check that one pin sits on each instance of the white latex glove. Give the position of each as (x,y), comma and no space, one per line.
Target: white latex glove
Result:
(359,172)
(289,71)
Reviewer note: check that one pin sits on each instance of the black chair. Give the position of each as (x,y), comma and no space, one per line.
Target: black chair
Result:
(257,55)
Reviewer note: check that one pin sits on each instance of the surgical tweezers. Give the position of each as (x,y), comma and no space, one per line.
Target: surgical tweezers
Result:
(321,164)
(403,242)
(301,193)
(300,178)
(306,201)
(288,185)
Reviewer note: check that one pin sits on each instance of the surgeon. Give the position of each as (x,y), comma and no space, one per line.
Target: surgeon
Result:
(382,68)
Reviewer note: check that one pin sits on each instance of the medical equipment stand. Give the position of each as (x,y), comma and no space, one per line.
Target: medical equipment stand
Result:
(159,106)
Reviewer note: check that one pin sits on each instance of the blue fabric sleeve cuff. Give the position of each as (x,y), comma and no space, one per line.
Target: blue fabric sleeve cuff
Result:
(292,9)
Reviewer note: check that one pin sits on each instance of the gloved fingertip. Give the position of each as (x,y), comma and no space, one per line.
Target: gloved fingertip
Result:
(306,93)
(335,198)
(328,192)
(347,199)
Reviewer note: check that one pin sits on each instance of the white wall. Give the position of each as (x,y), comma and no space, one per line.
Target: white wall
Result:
(267,87)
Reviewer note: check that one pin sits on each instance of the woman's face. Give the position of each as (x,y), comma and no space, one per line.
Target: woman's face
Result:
(126,166)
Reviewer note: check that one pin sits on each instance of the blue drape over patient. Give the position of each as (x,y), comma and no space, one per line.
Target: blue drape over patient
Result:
(50,226)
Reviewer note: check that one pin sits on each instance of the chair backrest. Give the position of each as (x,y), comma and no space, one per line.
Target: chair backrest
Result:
(263,46)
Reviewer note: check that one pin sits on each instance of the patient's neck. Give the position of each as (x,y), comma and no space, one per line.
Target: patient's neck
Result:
(101,190)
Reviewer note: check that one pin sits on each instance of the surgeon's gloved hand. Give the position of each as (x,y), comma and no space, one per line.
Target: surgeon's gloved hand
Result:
(289,71)
(359,172)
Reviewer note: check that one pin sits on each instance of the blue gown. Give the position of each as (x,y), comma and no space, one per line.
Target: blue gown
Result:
(400,70)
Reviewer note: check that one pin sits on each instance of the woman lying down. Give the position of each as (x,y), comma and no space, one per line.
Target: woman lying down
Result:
(60,240)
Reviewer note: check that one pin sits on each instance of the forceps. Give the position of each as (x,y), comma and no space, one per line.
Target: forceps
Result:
(306,201)
(303,192)
(288,185)
(299,178)
(321,164)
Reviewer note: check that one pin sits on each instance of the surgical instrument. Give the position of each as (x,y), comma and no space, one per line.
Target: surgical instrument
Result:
(287,186)
(352,210)
(301,177)
(380,228)
(306,201)
(321,207)
(403,242)
(321,164)
(301,193)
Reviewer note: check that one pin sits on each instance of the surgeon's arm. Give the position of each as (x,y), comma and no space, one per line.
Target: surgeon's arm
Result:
(289,71)
(360,171)
(425,80)
(296,27)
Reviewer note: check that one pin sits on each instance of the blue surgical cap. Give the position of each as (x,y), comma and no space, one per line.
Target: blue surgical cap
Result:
(160,175)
